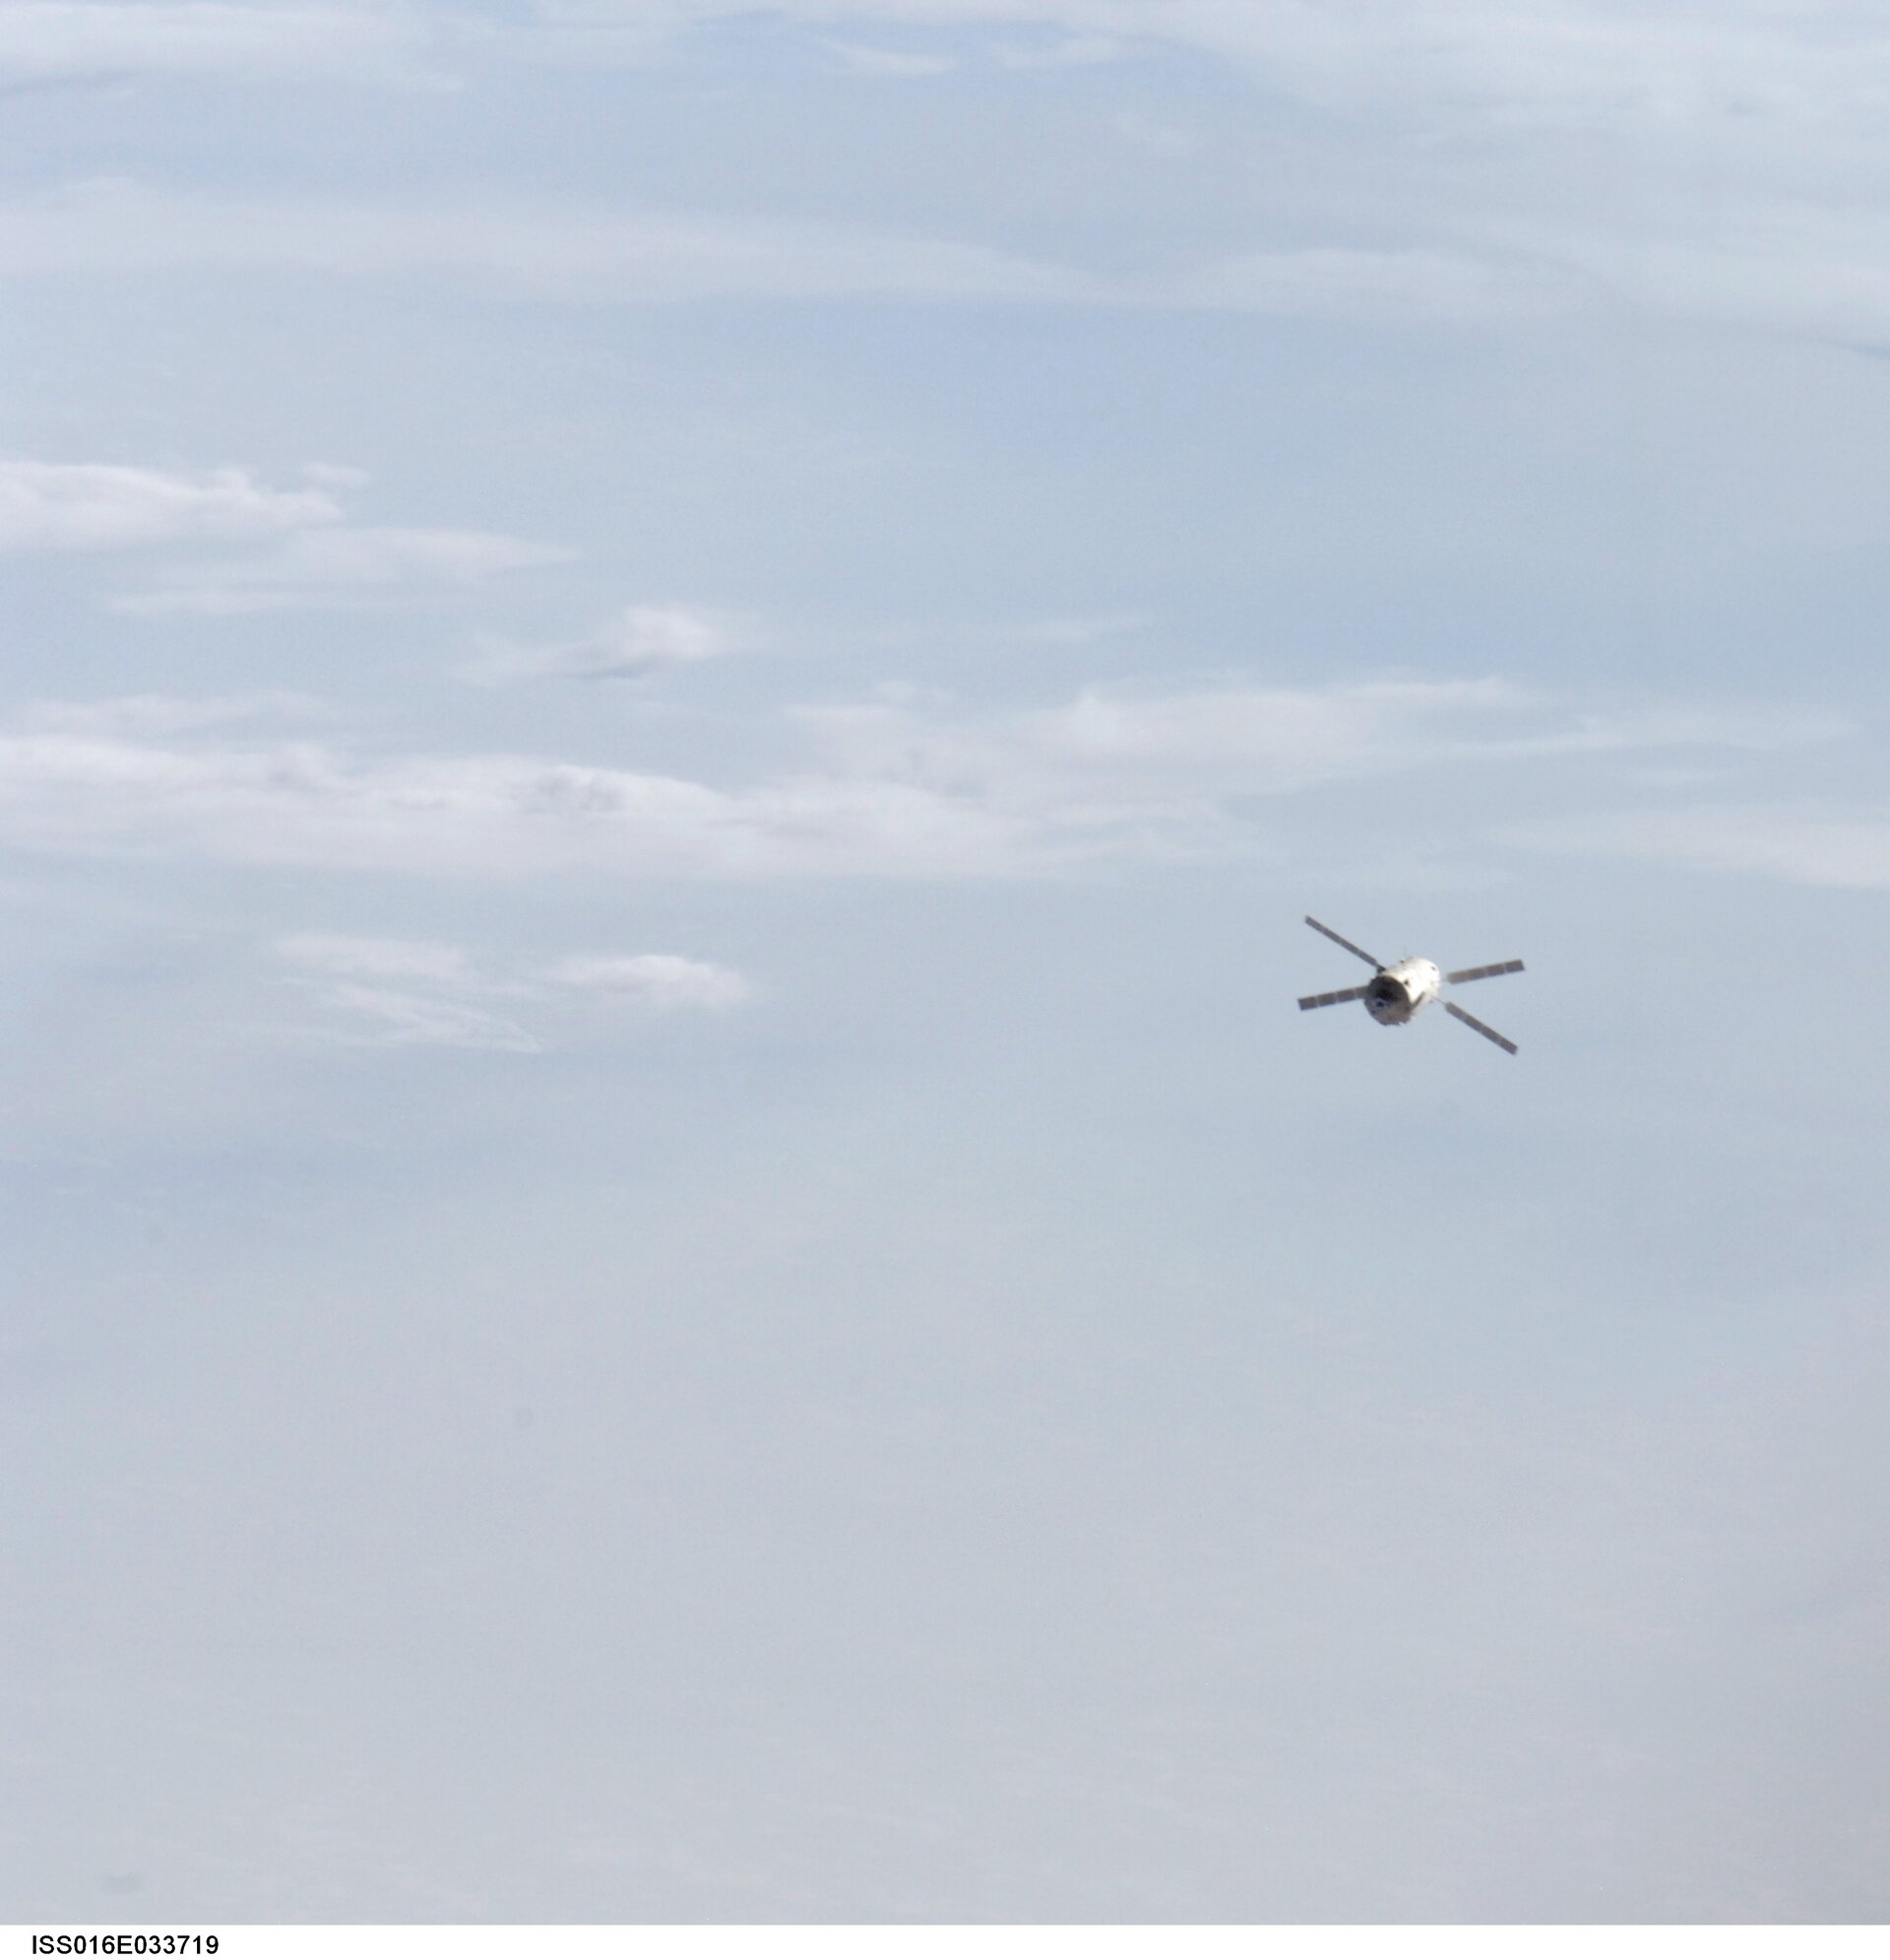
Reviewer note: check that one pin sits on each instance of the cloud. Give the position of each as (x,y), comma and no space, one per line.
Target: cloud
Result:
(42,40)
(1071,52)
(1786,264)
(386,1018)
(378,959)
(304,553)
(891,64)
(1562,63)
(1332,282)
(1085,630)
(340,566)
(158,715)
(407,992)
(641,640)
(563,255)
(1159,137)
(1805,845)
(1054,51)
(553,253)
(401,994)
(661,981)
(110,507)
(1471,148)
(1431,117)
(890,790)
(1197,745)
(471,815)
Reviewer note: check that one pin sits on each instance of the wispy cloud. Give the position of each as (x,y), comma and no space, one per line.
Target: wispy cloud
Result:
(1411,283)
(300,549)
(631,259)
(555,253)
(1797,113)
(113,507)
(77,39)
(340,566)
(1804,845)
(1432,118)
(386,1017)
(1244,741)
(1785,263)
(1569,63)
(1021,51)
(661,981)
(1060,51)
(642,640)
(487,815)
(890,63)
(136,715)
(889,789)
(1084,630)
(379,959)
(406,993)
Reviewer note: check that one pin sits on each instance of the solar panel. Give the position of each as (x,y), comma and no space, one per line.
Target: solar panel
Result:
(1489,1034)
(1337,940)
(1484,973)
(1333,999)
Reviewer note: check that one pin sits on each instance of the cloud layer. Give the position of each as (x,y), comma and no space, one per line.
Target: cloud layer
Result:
(340,566)
(110,507)
(1018,1424)
(548,252)
(302,553)
(641,641)
(48,40)
(890,790)
(420,993)
(1431,125)
(1780,262)
(1801,843)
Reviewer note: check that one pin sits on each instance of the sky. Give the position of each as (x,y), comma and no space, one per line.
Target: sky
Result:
(675,676)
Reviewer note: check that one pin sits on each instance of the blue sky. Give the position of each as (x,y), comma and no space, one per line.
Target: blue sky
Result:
(675,678)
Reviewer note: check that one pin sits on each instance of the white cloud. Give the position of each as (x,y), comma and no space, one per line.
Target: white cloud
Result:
(383,1017)
(893,789)
(1430,108)
(1070,51)
(401,993)
(641,640)
(892,64)
(491,815)
(342,565)
(158,714)
(302,553)
(1472,146)
(67,39)
(1846,849)
(407,992)
(1785,264)
(662,980)
(555,253)
(377,959)
(110,507)
(1330,283)
(654,260)
(1158,135)
(336,476)
(1566,63)
(1182,749)
(1084,631)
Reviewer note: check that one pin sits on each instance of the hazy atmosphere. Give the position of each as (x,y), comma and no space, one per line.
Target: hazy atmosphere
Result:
(675,676)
